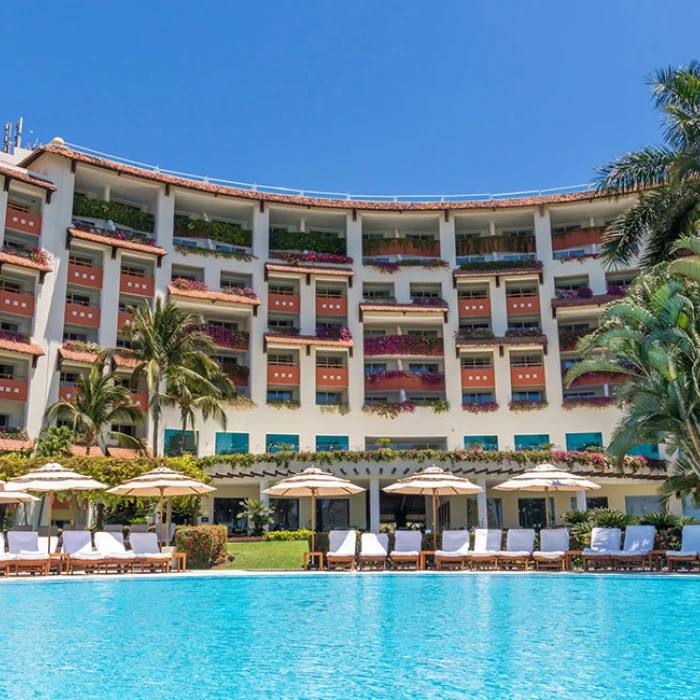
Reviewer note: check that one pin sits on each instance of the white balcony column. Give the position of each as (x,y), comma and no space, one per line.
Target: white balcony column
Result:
(597,279)
(212,277)
(165,219)
(307,379)
(374,510)
(581,500)
(482,504)
(448,242)
(3,214)
(261,231)
(109,300)
(492,228)
(499,307)
(265,497)
(302,224)
(307,304)
(501,371)
(107,193)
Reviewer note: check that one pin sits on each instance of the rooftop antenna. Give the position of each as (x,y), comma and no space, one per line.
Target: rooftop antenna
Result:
(6,138)
(18,132)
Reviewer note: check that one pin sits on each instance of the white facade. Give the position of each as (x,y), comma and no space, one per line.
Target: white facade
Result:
(93,275)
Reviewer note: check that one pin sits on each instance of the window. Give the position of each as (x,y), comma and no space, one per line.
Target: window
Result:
(579,395)
(521,291)
(570,284)
(596,502)
(326,398)
(226,512)
(583,441)
(279,395)
(231,443)
(568,253)
(287,289)
(527,396)
(477,397)
(226,325)
(7,371)
(419,237)
(519,256)
(332,514)
(518,232)
(421,400)
(133,271)
(566,228)
(531,512)
(375,367)
(531,442)
(649,451)
(475,326)
(473,294)
(331,443)
(285,512)
(422,367)
(79,337)
(78,299)
(174,445)
(424,334)
(81,260)
(374,333)
(494,509)
(10,286)
(124,429)
(522,325)
(483,442)
(277,323)
(276,442)
(472,362)
(330,361)
(638,505)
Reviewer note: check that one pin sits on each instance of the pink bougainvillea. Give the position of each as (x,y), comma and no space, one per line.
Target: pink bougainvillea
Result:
(480,406)
(324,258)
(403,345)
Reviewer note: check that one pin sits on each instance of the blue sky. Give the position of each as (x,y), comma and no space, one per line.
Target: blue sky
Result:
(364,97)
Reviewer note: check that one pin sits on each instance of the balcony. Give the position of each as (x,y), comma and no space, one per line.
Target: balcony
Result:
(327,305)
(84,275)
(417,345)
(238,374)
(408,381)
(78,315)
(485,245)
(478,378)
(21,219)
(123,319)
(523,304)
(140,400)
(225,338)
(401,246)
(577,239)
(283,302)
(282,374)
(13,388)
(132,284)
(331,377)
(472,308)
(595,379)
(526,375)
(18,303)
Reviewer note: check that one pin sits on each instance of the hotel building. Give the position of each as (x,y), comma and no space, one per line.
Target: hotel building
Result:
(458,318)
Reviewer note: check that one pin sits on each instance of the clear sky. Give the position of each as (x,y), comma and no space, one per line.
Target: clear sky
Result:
(365,97)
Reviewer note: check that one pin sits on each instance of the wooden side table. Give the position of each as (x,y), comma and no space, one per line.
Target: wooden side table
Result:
(656,559)
(423,556)
(180,561)
(309,558)
(61,558)
(570,558)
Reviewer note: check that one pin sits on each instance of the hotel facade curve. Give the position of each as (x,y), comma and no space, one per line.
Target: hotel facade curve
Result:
(331,316)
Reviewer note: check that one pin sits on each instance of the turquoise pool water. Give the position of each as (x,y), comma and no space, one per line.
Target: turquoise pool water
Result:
(352,636)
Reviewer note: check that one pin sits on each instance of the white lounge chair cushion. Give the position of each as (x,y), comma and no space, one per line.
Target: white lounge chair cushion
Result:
(639,539)
(690,538)
(485,555)
(371,546)
(408,555)
(408,543)
(77,541)
(487,541)
(23,540)
(87,556)
(604,541)
(25,555)
(514,555)
(164,556)
(520,542)
(8,557)
(144,544)
(120,555)
(549,555)
(588,552)
(671,553)
(342,543)
(455,541)
(111,545)
(456,553)
(554,540)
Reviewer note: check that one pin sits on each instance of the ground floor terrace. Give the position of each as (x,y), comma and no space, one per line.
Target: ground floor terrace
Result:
(372,509)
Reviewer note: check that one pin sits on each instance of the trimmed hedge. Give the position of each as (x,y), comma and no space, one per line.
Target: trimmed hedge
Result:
(286,535)
(118,213)
(205,545)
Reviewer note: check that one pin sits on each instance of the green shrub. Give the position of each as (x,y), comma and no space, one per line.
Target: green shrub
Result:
(306,240)
(574,517)
(118,213)
(205,545)
(286,535)
(213,230)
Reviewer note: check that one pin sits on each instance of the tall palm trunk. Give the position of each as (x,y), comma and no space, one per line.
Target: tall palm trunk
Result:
(156,423)
(183,435)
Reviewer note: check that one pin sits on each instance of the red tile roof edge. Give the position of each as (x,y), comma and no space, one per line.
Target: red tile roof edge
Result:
(13,444)
(213,296)
(310,270)
(127,452)
(404,308)
(89,357)
(502,340)
(24,348)
(306,340)
(79,451)
(11,259)
(306,201)
(116,243)
(27,177)
(500,271)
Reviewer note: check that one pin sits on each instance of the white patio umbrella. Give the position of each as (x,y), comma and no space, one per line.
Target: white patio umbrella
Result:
(161,482)
(547,477)
(314,483)
(14,496)
(434,481)
(53,478)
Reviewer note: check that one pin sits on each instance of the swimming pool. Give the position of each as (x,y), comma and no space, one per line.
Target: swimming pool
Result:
(351,636)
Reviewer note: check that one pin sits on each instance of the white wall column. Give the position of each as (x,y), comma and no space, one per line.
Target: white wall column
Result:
(356,375)
(307,380)
(374,511)
(265,497)
(581,500)
(109,300)
(448,244)
(3,213)
(307,303)
(482,505)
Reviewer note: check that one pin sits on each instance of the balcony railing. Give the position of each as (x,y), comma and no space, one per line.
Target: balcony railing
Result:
(478,378)
(19,303)
(526,374)
(403,345)
(124,318)
(471,308)
(19,218)
(285,302)
(282,374)
(485,245)
(225,338)
(78,315)
(576,239)
(331,377)
(85,275)
(329,305)
(134,284)
(13,387)
(523,304)
(422,248)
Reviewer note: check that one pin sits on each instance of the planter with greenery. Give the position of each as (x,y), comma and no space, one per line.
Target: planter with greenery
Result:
(485,245)
(220,231)
(114,211)
(307,242)
(289,404)
(521,405)
(480,406)
(502,266)
(209,252)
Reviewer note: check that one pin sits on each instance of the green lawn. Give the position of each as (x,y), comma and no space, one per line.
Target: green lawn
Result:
(267,555)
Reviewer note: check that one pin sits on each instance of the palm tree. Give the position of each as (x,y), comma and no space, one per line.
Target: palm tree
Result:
(666,176)
(257,513)
(166,344)
(652,339)
(205,392)
(99,401)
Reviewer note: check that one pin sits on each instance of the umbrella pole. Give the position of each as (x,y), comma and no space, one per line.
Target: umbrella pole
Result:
(313,521)
(435,522)
(50,516)
(546,505)
(160,538)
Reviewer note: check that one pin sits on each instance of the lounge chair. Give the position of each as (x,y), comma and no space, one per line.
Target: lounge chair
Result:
(374,550)
(407,548)
(147,552)
(139,527)
(487,546)
(520,545)
(553,551)
(604,542)
(455,545)
(111,546)
(170,534)
(30,556)
(77,544)
(6,559)
(689,551)
(636,553)
(342,547)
